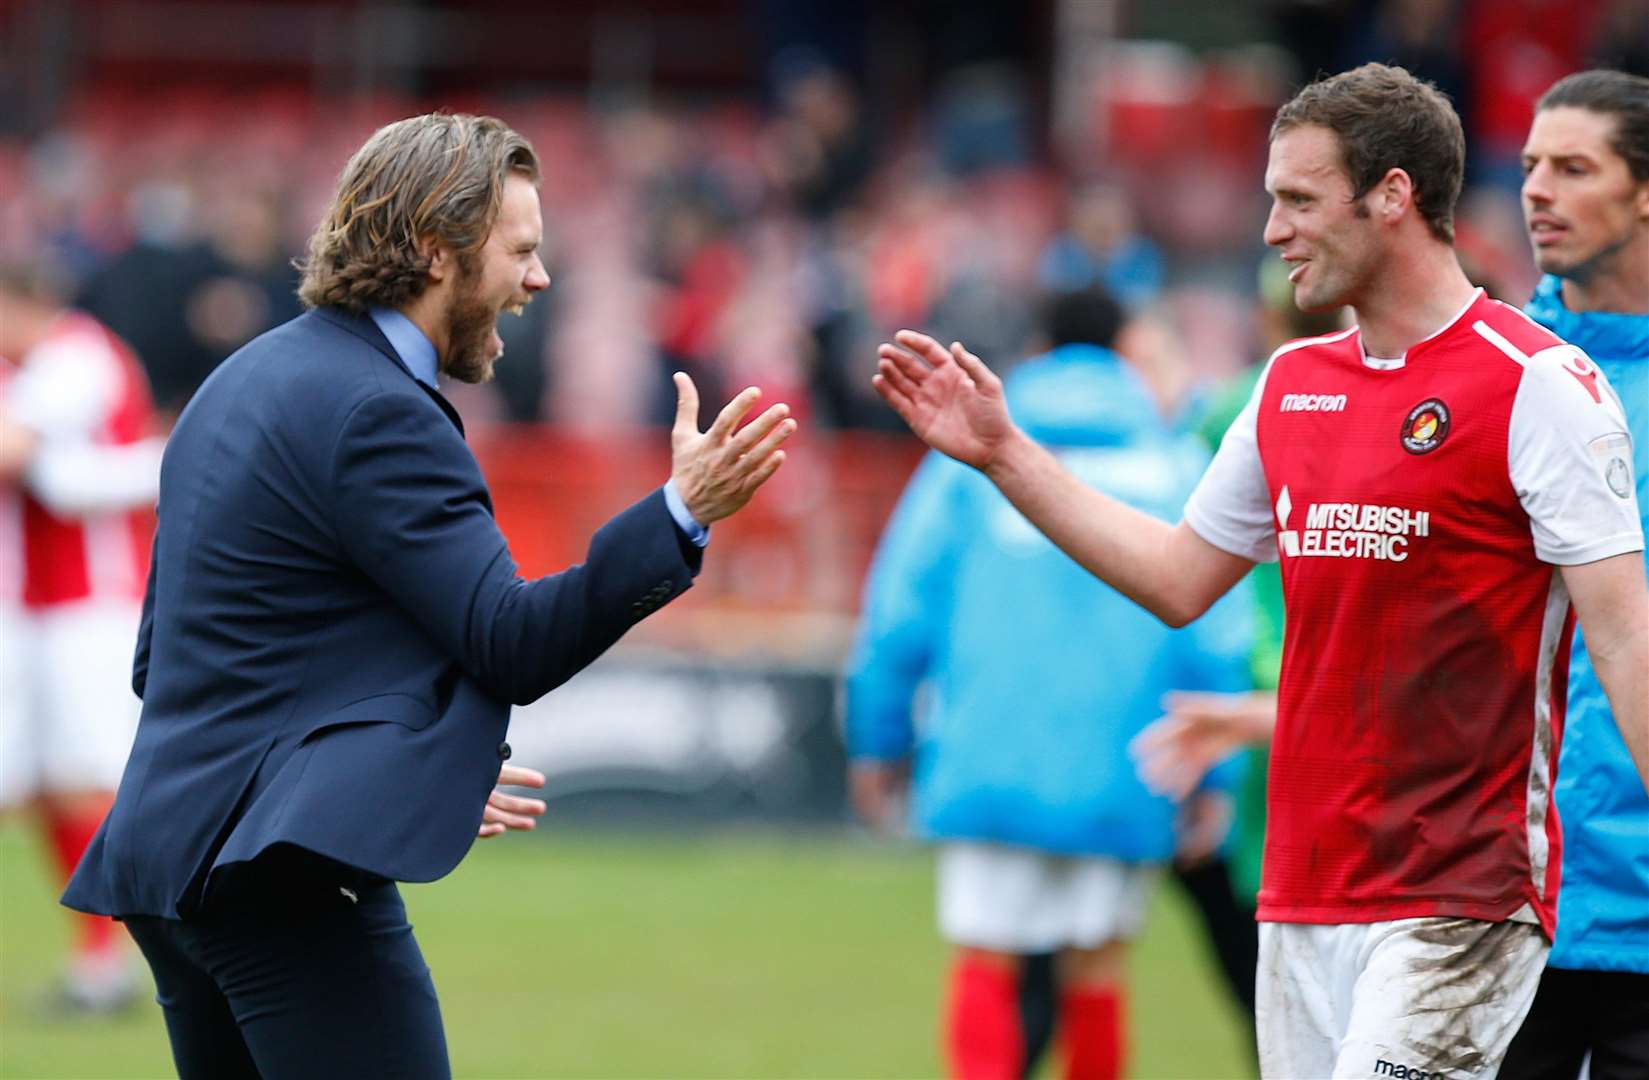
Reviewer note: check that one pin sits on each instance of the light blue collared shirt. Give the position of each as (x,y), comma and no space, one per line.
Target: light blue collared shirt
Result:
(417,352)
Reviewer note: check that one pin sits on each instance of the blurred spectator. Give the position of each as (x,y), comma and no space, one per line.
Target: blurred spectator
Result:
(254,286)
(75,459)
(1422,36)
(975,672)
(820,150)
(1101,245)
(699,266)
(144,293)
(1514,50)
(1622,38)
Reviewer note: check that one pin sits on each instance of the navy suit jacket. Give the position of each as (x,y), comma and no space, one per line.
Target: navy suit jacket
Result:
(334,628)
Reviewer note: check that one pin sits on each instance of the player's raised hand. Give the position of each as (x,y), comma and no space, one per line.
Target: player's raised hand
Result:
(506,811)
(950,399)
(1198,732)
(717,471)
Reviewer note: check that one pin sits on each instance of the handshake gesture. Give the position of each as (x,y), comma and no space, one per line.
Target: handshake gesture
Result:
(717,471)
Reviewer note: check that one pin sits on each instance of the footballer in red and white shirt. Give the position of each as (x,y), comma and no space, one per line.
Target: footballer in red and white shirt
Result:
(79,463)
(1448,486)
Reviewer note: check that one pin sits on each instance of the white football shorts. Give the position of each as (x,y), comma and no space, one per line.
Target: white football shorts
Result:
(67,711)
(1017,900)
(1415,999)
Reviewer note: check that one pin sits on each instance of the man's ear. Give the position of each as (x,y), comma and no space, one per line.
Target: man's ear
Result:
(440,256)
(1394,194)
(1642,201)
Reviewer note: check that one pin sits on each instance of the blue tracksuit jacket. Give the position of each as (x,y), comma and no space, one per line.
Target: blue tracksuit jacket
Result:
(1603,906)
(1038,674)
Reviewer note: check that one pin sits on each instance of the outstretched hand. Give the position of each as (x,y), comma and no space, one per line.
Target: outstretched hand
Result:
(1198,732)
(950,399)
(717,471)
(505,811)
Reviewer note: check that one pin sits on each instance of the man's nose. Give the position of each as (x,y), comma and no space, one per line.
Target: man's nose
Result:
(537,277)
(1537,186)
(1277,229)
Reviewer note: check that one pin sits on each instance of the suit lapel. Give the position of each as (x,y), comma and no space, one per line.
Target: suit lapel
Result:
(368,331)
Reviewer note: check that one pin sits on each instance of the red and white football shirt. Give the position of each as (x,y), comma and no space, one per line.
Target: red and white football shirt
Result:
(1420,507)
(80,389)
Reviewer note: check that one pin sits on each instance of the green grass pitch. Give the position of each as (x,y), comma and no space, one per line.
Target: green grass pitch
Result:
(759,954)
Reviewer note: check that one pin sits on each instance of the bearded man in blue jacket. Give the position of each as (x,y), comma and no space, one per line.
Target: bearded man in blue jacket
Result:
(1586,205)
(1038,676)
(334,629)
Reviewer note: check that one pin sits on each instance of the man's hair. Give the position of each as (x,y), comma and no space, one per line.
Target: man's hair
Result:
(435,176)
(1612,93)
(1090,316)
(1384,119)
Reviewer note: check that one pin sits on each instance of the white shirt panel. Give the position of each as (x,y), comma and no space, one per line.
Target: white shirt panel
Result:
(66,388)
(1231,506)
(1569,452)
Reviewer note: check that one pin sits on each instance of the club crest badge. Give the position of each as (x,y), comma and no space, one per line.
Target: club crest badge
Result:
(1426,426)
(1618,475)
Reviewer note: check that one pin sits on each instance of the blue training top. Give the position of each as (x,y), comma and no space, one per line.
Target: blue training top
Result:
(1603,906)
(1039,673)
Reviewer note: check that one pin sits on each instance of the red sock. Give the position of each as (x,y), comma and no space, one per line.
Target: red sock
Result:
(982,1031)
(1091,1032)
(71,835)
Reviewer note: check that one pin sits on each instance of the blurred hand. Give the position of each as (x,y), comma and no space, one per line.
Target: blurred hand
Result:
(950,399)
(878,790)
(1204,820)
(1198,732)
(506,811)
(717,471)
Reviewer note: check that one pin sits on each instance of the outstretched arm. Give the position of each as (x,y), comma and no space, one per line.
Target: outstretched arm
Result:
(955,404)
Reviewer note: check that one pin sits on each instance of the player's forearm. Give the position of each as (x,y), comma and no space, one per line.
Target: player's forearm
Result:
(1622,666)
(1127,549)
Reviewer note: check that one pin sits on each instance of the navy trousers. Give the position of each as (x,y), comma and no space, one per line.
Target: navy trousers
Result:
(296,972)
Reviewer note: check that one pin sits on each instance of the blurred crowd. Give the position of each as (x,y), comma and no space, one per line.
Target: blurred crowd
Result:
(776,244)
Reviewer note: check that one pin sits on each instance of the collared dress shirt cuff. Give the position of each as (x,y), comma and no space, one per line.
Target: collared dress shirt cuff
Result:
(698,534)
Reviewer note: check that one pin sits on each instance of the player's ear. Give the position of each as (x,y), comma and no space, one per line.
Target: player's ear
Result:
(1395,193)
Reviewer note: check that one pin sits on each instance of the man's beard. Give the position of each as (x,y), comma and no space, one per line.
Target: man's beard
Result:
(470,322)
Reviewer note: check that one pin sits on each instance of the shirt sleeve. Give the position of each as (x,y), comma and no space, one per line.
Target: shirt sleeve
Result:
(1569,453)
(1231,505)
(64,391)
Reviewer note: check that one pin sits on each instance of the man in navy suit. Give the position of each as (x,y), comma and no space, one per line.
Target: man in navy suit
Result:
(334,629)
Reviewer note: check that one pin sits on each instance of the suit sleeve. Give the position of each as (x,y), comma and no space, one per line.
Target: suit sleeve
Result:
(412,513)
(908,599)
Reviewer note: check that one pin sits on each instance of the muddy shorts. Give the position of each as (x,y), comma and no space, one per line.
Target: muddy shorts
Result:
(1411,999)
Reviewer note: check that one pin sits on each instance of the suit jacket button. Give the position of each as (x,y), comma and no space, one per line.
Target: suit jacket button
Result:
(503,751)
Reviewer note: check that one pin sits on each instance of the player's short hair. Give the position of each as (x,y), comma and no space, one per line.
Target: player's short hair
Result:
(1612,93)
(1384,119)
(1090,316)
(434,176)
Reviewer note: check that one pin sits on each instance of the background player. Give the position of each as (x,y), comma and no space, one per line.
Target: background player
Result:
(1586,203)
(1049,841)
(78,461)
(1429,595)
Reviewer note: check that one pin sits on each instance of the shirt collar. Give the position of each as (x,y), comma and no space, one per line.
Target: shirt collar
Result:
(416,351)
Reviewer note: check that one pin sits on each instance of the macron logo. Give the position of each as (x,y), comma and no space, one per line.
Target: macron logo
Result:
(1313,403)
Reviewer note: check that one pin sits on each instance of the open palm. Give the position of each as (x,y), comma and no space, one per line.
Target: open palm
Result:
(950,399)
